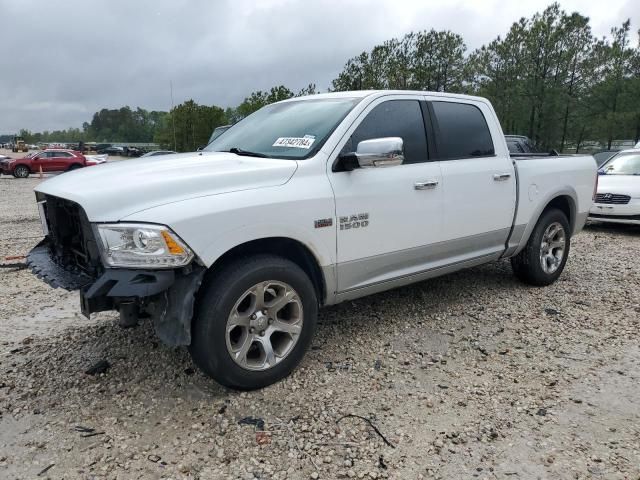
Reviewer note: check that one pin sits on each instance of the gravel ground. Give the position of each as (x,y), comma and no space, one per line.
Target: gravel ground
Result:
(472,375)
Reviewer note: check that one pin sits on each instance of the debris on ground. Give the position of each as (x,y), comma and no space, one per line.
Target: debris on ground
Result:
(371,424)
(256,422)
(99,367)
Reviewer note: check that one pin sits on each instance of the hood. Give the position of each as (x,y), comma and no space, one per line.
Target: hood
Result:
(112,191)
(620,184)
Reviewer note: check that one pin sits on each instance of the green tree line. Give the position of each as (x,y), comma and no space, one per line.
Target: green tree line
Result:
(548,78)
(185,127)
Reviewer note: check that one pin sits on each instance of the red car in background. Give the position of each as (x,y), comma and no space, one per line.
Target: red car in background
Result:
(54,160)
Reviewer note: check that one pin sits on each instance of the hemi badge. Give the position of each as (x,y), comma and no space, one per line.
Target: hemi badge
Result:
(323,222)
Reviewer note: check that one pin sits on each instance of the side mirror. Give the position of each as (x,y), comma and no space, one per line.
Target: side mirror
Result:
(377,152)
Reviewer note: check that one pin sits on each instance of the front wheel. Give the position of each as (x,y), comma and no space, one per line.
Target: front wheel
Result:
(254,321)
(21,172)
(542,260)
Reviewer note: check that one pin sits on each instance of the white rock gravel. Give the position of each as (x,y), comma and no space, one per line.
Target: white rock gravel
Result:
(472,375)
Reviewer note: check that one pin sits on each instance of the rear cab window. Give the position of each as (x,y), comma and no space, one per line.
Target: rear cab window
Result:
(461,131)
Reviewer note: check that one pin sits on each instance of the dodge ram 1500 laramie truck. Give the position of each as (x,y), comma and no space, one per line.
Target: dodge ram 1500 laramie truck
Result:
(307,202)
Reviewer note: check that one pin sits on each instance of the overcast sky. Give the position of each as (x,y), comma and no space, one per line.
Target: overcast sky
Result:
(62,60)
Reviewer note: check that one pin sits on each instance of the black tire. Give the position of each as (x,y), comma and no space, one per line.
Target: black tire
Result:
(21,171)
(528,265)
(75,166)
(217,298)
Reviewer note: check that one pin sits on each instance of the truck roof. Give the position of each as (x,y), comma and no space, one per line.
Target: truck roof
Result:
(380,93)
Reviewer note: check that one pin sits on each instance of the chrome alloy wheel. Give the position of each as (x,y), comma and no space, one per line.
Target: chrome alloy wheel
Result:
(552,248)
(21,171)
(264,325)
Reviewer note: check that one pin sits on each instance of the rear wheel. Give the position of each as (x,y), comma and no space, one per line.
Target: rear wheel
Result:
(21,171)
(543,259)
(254,322)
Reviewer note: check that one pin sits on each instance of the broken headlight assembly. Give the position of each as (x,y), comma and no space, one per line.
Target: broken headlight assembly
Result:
(130,245)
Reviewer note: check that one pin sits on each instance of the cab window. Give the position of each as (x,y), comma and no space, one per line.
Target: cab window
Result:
(394,118)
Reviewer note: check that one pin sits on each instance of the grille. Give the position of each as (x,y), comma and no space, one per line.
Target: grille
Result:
(615,217)
(612,198)
(71,241)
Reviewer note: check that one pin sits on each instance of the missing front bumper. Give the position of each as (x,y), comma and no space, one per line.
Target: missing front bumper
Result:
(166,296)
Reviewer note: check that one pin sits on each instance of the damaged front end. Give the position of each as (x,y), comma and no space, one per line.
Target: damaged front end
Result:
(72,257)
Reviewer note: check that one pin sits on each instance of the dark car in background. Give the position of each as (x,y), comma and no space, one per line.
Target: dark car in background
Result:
(520,144)
(112,150)
(133,152)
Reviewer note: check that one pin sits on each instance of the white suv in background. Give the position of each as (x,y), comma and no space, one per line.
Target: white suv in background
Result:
(618,196)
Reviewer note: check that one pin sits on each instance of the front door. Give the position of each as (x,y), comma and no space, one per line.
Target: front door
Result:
(479,184)
(387,217)
(41,161)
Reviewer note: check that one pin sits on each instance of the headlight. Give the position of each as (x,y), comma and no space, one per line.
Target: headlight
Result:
(142,246)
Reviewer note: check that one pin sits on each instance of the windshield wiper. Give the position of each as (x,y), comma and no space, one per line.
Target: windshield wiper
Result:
(247,153)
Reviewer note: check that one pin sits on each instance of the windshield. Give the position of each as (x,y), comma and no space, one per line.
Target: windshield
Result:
(623,164)
(291,130)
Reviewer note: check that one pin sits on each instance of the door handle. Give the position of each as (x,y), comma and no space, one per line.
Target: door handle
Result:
(501,177)
(425,185)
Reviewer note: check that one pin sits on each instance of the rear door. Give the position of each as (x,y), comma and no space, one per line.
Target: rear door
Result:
(479,184)
(387,216)
(61,161)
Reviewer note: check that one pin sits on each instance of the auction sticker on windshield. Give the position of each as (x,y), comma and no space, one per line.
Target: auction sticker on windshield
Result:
(294,142)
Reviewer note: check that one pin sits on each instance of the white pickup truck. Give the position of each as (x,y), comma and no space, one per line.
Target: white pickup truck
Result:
(307,202)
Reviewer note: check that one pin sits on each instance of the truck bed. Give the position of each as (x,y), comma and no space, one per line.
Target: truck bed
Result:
(541,178)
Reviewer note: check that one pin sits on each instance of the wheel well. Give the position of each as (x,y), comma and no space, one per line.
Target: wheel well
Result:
(283,247)
(565,204)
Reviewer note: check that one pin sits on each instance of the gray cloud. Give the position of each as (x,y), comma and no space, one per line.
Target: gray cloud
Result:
(63,60)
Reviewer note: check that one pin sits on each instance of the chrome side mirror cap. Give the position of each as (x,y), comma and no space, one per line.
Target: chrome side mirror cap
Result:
(380,152)
(376,152)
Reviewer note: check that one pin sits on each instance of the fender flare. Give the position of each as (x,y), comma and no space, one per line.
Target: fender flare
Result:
(568,192)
